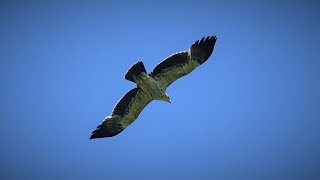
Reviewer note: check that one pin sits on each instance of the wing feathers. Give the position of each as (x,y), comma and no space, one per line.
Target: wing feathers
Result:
(111,125)
(180,64)
(174,60)
(124,113)
(202,50)
(122,105)
(108,128)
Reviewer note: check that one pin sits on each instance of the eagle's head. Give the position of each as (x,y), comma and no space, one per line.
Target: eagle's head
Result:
(166,98)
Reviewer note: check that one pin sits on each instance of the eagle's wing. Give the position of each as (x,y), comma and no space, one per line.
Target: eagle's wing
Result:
(124,113)
(182,63)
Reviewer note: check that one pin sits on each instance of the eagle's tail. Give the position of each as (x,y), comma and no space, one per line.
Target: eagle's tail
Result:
(135,70)
(202,50)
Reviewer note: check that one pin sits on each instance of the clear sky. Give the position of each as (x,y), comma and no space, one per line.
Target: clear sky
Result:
(251,111)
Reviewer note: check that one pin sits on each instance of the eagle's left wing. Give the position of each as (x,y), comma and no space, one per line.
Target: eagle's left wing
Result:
(124,113)
(182,63)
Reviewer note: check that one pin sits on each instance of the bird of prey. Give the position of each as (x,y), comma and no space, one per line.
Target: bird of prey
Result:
(153,86)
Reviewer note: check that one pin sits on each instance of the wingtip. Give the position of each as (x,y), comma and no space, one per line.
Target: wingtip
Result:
(209,40)
(202,49)
(103,131)
(93,135)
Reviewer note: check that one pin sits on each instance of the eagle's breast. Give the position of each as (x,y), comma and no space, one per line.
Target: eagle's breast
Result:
(150,86)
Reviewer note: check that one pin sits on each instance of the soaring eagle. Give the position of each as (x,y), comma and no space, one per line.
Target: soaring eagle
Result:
(153,86)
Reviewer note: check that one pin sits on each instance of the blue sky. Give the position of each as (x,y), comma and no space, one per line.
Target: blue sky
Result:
(251,111)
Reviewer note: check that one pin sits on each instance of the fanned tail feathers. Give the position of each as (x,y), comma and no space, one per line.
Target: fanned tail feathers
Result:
(135,70)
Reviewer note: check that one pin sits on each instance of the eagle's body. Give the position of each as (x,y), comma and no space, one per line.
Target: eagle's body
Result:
(152,86)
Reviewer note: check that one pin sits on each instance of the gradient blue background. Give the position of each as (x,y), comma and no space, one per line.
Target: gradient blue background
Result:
(251,111)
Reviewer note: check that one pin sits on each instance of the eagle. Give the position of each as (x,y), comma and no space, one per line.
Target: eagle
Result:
(153,86)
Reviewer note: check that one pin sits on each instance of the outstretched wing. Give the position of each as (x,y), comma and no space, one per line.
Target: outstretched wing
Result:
(124,113)
(182,63)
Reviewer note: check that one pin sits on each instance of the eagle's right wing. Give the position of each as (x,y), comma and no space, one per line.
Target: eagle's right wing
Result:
(124,113)
(182,63)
